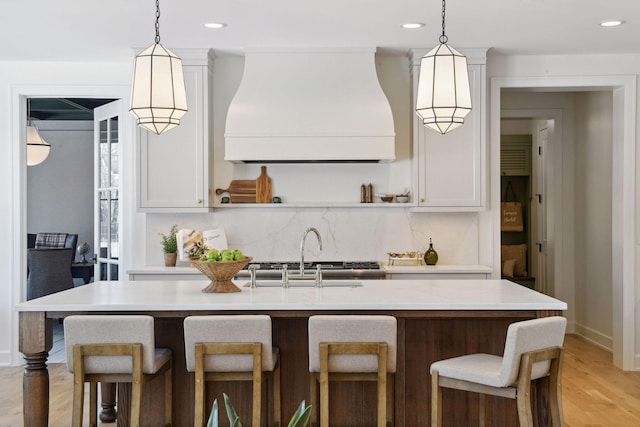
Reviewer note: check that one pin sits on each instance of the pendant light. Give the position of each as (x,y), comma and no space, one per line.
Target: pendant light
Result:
(158,98)
(37,148)
(444,98)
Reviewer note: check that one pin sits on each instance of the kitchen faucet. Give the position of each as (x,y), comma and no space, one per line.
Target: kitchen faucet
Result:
(304,237)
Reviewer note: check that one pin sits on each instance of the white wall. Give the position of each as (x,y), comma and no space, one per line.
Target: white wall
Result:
(60,189)
(593,184)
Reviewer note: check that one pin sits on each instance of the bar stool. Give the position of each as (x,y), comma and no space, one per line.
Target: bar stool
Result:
(351,348)
(114,349)
(232,348)
(533,350)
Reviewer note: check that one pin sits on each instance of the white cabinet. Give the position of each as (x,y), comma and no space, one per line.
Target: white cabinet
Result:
(175,167)
(451,169)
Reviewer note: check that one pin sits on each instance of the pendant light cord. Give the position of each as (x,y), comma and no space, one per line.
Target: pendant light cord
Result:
(158,22)
(443,37)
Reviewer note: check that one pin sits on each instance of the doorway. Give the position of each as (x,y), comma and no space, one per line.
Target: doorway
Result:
(60,190)
(622,89)
(18,201)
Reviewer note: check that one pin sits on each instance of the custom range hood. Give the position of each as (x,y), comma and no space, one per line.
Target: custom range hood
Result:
(311,105)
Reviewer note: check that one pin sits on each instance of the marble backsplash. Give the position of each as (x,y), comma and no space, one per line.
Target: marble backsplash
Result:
(355,234)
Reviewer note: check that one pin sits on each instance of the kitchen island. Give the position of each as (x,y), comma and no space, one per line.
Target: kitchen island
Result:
(436,319)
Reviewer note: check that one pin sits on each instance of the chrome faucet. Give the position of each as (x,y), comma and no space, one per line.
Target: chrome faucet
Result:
(304,237)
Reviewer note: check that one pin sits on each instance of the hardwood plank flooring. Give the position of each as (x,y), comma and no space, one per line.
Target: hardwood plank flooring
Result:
(595,393)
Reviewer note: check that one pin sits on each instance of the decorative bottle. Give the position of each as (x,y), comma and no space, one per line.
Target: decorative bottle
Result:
(431,256)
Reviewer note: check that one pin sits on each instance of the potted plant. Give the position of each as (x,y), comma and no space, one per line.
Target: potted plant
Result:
(299,419)
(170,246)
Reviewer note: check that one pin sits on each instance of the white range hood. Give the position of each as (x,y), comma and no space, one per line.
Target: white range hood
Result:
(311,105)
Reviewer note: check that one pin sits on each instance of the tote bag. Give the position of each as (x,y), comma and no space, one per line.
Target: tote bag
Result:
(510,212)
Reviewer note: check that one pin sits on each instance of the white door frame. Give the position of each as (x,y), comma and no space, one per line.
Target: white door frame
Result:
(18,153)
(624,211)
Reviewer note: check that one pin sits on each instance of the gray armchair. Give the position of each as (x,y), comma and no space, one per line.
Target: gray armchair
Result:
(49,271)
(70,242)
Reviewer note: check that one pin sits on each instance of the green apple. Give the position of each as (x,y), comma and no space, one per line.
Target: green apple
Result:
(213,255)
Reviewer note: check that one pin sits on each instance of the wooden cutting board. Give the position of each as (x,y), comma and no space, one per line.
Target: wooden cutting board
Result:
(249,190)
(240,191)
(263,187)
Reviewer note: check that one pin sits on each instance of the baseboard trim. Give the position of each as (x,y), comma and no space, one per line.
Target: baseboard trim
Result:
(596,337)
(5,358)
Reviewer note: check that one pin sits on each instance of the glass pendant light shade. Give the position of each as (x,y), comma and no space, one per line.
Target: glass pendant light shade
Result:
(158,97)
(37,148)
(444,98)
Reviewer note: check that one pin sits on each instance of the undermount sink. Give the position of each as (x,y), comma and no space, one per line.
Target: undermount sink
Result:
(308,284)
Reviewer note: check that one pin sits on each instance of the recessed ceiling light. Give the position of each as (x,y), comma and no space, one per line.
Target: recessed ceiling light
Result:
(214,25)
(412,25)
(611,23)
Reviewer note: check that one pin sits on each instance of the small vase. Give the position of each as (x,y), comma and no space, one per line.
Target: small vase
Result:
(170,259)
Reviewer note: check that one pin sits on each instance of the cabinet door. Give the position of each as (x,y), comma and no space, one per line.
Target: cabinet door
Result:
(451,166)
(172,165)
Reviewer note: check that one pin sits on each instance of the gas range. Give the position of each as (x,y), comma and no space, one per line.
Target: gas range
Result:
(336,270)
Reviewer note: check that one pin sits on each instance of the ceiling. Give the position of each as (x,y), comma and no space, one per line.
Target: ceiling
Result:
(64,108)
(96,30)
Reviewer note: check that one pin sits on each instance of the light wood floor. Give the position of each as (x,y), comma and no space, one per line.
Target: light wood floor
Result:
(595,393)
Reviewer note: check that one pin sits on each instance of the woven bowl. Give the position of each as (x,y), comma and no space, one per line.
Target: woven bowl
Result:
(221,273)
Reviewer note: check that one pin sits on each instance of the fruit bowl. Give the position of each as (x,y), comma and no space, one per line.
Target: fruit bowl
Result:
(221,273)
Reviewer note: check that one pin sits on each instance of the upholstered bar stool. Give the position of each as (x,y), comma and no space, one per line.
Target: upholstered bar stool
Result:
(114,349)
(232,348)
(533,350)
(351,348)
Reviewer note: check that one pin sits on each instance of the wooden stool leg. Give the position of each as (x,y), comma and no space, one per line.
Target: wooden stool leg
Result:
(78,388)
(324,399)
(482,410)
(93,404)
(313,398)
(390,399)
(168,392)
(277,410)
(198,416)
(436,401)
(257,397)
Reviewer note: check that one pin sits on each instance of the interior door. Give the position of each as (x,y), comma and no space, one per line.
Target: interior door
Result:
(107,189)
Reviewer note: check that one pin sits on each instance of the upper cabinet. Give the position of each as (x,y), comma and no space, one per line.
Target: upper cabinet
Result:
(174,168)
(450,169)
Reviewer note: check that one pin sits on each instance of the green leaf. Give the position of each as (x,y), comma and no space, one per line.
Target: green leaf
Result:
(213,418)
(234,420)
(301,417)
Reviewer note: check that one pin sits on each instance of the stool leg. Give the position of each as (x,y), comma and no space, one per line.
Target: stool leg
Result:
(324,399)
(168,391)
(436,401)
(257,398)
(93,404)
(313,398)
(277,414)
(198,416)
(390,400)
(483,410)
(78,392)
(382,400)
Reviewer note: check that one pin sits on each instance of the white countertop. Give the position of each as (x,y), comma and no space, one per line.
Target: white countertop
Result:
(169,295)
(402,267)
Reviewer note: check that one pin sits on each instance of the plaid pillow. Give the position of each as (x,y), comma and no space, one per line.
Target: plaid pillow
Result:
(51,240)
